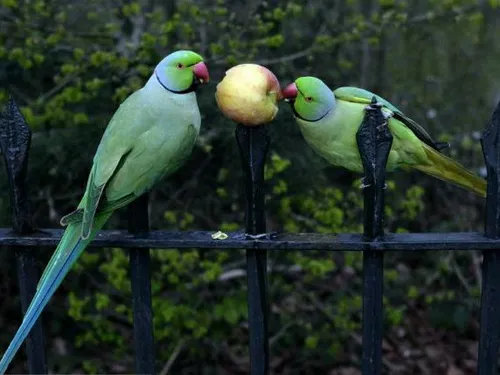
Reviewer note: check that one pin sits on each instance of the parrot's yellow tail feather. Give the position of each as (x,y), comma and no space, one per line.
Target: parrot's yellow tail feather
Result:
(448,170)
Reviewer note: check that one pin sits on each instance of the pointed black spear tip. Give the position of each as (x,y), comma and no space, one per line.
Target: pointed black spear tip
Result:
(374,104)
(489,136)
(15,136)
(374,141)
(15,119)
(15,139)
(490,143)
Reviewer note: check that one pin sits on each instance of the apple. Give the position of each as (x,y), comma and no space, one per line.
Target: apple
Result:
(249,94)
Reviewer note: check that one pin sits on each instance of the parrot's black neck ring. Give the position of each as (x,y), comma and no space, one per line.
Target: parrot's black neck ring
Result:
(191,88)
(296,114)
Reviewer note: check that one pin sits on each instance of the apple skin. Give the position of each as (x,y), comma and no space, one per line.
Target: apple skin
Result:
(249,94)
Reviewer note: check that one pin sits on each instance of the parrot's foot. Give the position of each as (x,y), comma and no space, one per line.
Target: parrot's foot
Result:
(386,113)
(382,125)
(260,236)
(373,107)
(363,186)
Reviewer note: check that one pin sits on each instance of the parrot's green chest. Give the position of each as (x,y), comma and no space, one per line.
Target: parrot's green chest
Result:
(334,138)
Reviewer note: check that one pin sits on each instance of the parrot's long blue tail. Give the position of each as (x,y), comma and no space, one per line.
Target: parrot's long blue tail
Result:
(68,251)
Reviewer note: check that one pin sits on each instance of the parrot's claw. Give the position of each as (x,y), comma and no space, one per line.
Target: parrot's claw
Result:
(382,125)
(362,186)
(373,107)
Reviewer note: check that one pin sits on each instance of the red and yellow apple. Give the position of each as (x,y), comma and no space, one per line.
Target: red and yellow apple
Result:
(249,94)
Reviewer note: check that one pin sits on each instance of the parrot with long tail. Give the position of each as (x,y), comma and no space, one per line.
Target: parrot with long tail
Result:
(150,135)
(329,121)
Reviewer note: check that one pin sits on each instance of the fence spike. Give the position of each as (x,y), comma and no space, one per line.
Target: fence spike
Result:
(374,143)
(15,141)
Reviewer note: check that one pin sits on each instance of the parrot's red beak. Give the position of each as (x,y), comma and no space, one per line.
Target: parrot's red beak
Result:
(290,92)
(201,72)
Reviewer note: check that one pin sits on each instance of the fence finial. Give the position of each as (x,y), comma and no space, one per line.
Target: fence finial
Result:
(490,142)
(374,142)
(15,140)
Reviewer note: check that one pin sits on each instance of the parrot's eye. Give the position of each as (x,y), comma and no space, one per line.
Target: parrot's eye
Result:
(309,99)
(180,66)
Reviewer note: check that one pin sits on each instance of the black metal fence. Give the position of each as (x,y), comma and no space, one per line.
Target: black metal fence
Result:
(374,141)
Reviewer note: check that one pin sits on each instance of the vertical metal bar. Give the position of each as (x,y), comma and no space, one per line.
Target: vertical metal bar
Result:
(374,142)
(27,274)
(15,140)
(487,358)
(253,143)
(140,275)
(487,361)
(373,290)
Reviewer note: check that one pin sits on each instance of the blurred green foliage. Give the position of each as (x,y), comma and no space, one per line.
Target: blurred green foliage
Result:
(69,64)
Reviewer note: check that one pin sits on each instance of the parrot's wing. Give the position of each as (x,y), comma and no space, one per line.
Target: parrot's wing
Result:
(127,152)
(139,182)
(362,96)
(357,95)
(92,196)
(118,140)
(111,153)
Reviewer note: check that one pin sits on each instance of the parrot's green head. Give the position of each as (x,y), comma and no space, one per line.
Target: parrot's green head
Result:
(181,72)
(310,98)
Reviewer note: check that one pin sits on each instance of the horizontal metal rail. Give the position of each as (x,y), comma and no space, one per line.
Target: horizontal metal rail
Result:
(287,241)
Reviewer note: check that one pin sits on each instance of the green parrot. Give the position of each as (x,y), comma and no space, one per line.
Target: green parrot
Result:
(329,122)
(150,135)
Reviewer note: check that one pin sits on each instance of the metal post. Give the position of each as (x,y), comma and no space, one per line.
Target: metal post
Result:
(487,361)
(140,276)
(253,143)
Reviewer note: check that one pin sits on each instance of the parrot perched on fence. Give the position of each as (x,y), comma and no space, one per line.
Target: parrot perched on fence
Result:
(150,135)
(329,121)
